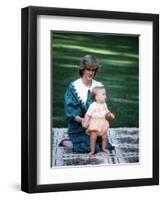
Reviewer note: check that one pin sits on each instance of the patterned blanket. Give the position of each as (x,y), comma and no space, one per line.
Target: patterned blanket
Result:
(125,140)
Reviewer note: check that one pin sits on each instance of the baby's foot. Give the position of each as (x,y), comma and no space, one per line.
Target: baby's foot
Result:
(91,153)
(106,151)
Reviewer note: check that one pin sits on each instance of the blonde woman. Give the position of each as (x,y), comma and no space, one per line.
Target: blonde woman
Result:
(76,101)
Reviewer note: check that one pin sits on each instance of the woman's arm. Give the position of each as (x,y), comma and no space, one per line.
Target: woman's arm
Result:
(72,106)
(78,119)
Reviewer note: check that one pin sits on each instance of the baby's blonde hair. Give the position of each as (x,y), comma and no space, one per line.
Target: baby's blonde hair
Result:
(95,90)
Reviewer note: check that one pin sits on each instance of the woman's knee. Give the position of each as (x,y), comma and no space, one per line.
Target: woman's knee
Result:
(68,144)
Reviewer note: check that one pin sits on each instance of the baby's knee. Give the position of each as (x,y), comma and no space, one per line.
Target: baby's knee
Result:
(104,137)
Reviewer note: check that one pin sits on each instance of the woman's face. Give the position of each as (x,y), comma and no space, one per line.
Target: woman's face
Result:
(89,73)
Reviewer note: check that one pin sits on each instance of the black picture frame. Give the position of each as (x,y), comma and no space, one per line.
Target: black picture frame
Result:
(29,98)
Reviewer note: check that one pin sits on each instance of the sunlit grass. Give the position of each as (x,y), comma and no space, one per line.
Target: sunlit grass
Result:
(90,50)
(120,100)
(68,66)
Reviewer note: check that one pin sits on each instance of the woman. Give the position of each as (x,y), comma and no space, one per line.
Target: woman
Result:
(77,100)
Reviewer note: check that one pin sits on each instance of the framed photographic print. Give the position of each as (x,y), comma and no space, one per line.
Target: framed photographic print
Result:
(90,99)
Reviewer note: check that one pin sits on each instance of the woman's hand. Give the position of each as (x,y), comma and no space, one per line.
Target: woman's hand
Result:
(78,119)
(85,121)
(109,116)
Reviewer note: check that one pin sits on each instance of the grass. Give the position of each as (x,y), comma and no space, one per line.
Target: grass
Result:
(119,58)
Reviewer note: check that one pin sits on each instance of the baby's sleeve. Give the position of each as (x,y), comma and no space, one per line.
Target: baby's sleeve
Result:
(90,110)
(107,110)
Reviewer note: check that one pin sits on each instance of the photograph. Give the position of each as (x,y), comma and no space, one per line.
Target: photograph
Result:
(94,99)
(90,93)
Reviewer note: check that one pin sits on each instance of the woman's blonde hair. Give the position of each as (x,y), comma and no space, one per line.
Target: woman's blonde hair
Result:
(88,61)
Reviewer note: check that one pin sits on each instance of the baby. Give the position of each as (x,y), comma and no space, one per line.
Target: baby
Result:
(95,119)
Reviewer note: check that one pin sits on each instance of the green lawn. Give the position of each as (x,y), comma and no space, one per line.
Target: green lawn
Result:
(119,59)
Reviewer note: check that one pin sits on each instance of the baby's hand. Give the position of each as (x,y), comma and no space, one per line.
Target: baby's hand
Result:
(109,116)
(112,116)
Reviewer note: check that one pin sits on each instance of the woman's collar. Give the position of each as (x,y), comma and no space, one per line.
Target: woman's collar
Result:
(82,90)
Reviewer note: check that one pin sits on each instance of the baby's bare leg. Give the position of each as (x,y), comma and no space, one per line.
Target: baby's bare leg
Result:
(104,137)
(93,138)
(104,143)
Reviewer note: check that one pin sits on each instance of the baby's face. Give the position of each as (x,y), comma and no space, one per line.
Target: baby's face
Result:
(101,96)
